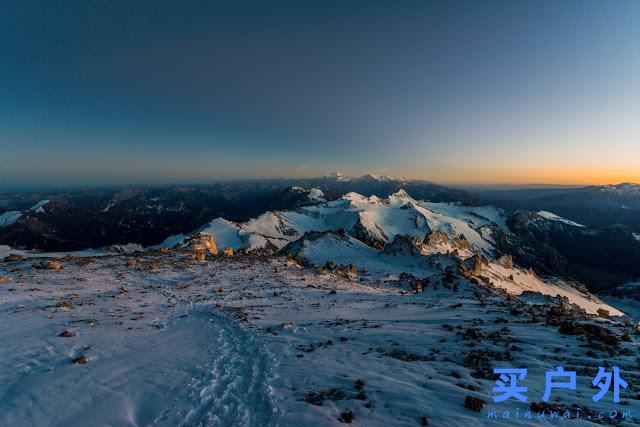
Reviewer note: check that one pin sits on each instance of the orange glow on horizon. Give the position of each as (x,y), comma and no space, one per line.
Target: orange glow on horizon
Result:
(525,176)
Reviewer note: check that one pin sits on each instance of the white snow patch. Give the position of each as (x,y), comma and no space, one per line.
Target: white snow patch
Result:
(225,233)
(38,207)
(554,217)
(109,206)
(516,281)
(9,217)
(316,195)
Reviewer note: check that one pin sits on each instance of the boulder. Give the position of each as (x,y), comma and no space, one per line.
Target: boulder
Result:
(506,261)
(50,265)
(201,242)
(13,258)
(228,252)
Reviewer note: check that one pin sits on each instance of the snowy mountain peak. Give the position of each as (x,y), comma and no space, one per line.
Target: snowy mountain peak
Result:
(624,189)
(400,198)
(337,176)
(354,197)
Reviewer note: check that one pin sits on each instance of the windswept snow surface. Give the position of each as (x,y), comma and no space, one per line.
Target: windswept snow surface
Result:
(249,342)
(554,217)
(153,358)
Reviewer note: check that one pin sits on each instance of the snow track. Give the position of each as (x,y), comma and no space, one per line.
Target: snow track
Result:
(235,392)
(198,368)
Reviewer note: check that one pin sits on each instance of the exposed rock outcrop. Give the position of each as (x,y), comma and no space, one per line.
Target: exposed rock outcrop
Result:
(401,244)
(438,237)
(201,242)
(228,252)
(376,239)
(13,258)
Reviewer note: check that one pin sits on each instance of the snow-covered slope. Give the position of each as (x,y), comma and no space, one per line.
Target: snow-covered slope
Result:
(244,341)
(391,236)
(554,217)
(517,281)
(10,217)
(372,220)
(39,207)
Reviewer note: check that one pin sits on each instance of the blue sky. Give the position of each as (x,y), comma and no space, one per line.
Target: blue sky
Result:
(455,92)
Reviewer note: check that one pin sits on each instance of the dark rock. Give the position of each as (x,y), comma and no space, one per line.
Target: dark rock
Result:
(347,417)
(474,403)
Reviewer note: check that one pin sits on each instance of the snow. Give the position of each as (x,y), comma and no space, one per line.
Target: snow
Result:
(399,214)
(636,236)
(625,189)
(32,253)
(171,241)
(316,195)
(225,233)
(38,207)
(455,227)
(10,217)
(243,342)
(336,176)
(478,216)
(109,206)
(516,281)
(554,217)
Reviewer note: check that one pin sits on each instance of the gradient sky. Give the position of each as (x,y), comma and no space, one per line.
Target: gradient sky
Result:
(95,92)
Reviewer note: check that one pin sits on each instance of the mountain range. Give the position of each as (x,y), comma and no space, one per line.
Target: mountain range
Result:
(567,234)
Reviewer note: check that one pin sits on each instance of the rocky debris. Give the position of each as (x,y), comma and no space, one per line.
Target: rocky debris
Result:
(347,417)
(201,243)
(592,332)
(347,271)
(424,420)
(438,237)
(130,262)
(65,304)
(474,403)
(506,261)
(473,266)
(201,256)
(13,258)
(66,334)
(82,360)
(482,362)
(50,265)
(405,356)
(5,279)
(416,284)
(227,252)
(406,245)
(317,398)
